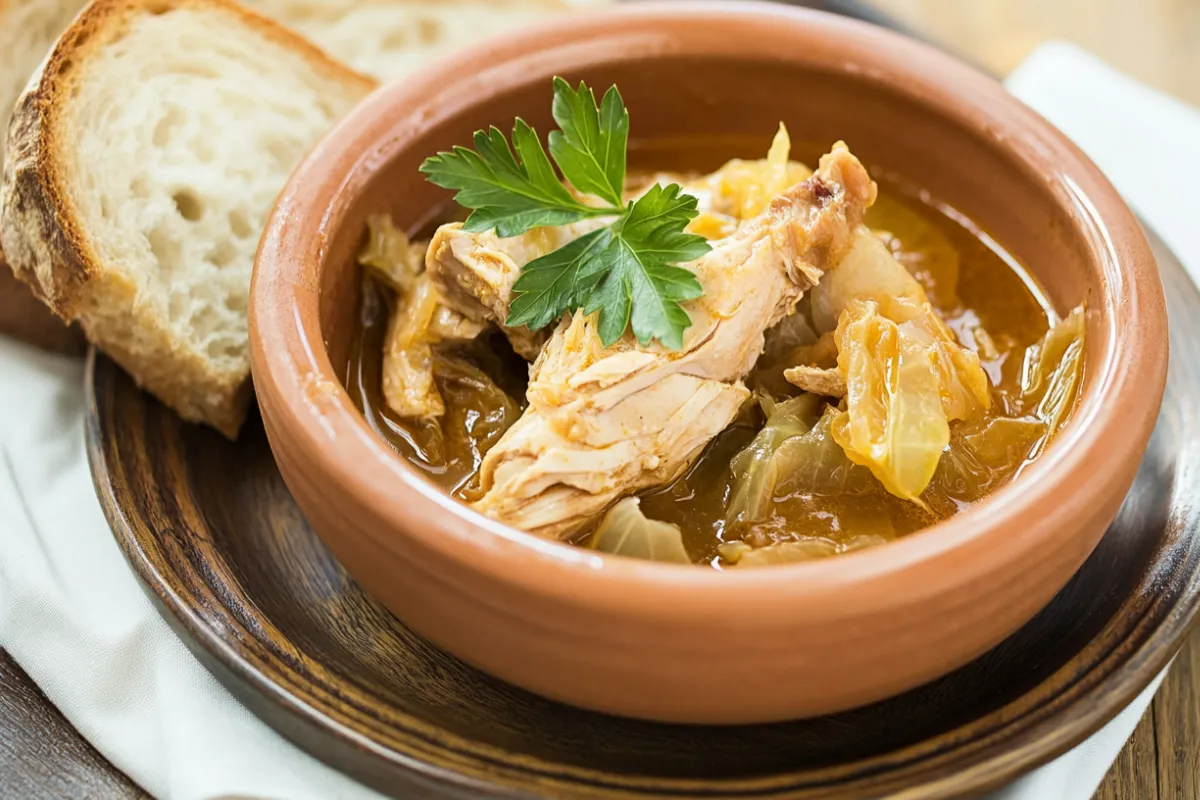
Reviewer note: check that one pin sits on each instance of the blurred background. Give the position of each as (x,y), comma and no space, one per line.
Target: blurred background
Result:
(1155,41)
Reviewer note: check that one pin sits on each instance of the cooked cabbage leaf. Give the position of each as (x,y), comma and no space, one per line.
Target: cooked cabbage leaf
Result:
(625,531)
(964,385)
(741,189)
(814,463)
(476,404)
(755,469)
(982,456)
(919,245)
(986,452)
(894,423)
(906,376)
(778,553)
(867,272)
(1053,373)
(744,188)
(791,339)
(1004,440)
(791,455)
(389,256)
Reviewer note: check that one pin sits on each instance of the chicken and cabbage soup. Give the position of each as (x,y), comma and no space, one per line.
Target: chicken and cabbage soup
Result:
(769,363)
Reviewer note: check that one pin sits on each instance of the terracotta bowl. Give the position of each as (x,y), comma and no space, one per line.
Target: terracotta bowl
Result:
(674,643)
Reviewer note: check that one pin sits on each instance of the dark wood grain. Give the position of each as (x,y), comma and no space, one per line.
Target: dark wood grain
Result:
(1129,776)
(1176,713)
(210,528)
(41,755)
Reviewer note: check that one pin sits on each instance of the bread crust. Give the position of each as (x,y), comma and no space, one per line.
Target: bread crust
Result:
(40,225)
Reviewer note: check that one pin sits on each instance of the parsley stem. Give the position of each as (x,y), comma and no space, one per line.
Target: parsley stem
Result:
(608,211)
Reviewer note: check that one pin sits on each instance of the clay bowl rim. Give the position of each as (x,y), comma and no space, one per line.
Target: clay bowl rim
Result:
(306,403)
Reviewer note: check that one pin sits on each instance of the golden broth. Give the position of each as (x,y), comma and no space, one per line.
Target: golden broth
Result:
(979,290)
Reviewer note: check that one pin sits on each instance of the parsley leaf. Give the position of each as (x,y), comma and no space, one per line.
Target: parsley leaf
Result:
(549,286)
(590,148)
(625,270)
(639,280)
(508,196)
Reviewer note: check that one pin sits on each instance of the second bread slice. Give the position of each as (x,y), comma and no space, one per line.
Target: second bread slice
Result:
(141,165)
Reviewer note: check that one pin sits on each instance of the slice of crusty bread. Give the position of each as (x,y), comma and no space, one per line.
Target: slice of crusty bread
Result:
(28,29)
(142,162)
(390,38)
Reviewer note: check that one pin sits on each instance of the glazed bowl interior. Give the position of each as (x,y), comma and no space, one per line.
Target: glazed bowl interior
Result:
(702,84)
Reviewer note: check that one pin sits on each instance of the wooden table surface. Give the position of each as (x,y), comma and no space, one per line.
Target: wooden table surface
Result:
(1162,759)
(1157,41)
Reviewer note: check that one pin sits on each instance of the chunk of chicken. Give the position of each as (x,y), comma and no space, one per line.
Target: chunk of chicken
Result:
(826,381)
(475,272)
(603,423)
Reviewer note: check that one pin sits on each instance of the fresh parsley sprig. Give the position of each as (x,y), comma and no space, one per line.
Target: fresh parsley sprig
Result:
(625,270)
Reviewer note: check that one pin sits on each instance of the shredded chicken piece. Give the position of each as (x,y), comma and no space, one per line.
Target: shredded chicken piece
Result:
(453,288)
(475,272)
(829,382)
(603,423)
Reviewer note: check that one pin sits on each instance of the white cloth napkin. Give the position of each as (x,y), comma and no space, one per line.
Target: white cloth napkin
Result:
(74,617)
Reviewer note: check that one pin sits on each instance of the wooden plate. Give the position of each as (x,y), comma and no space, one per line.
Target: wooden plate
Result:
(211,530)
